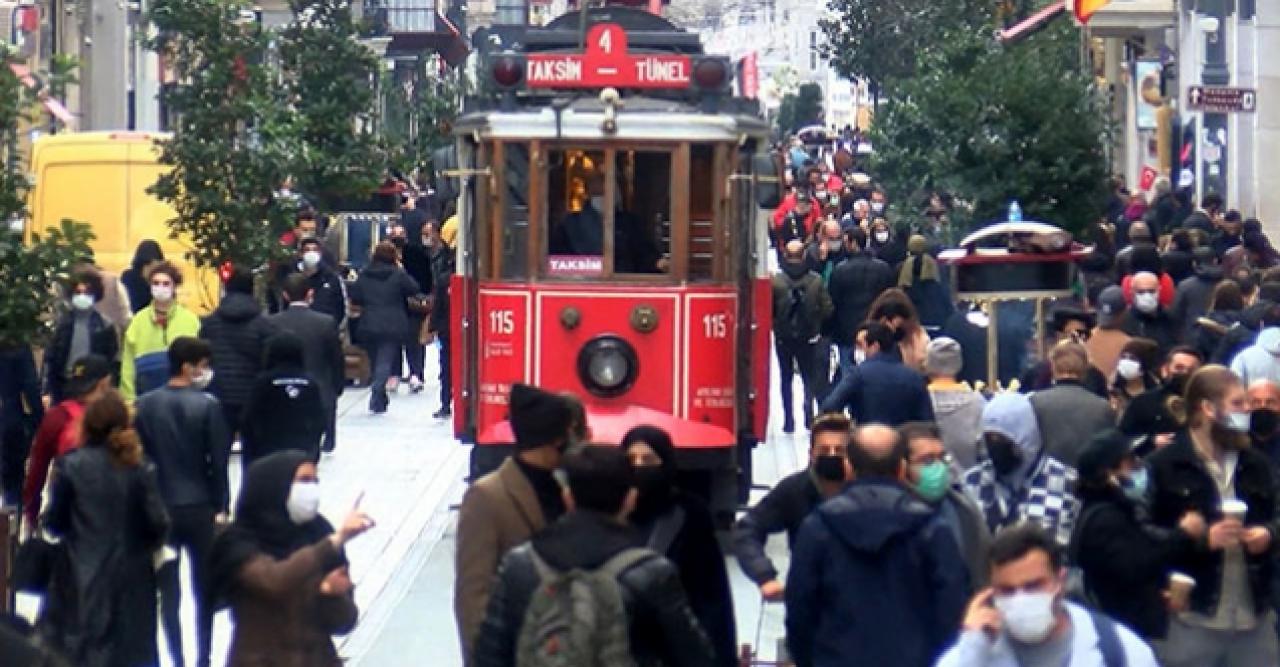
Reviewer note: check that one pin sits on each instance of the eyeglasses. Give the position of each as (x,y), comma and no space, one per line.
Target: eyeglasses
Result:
(945,457)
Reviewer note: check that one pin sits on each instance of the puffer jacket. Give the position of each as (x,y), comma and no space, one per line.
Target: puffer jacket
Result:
(238,332)
(1260,361)
(662,628)
(382,292)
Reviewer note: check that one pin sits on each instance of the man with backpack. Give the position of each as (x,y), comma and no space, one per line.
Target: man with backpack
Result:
(800,305)
(1024,620)
(581,594)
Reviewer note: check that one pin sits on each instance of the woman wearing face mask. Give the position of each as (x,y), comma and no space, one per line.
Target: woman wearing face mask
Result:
(1126,564)
(280,566)
(134,278)
(1230,621)
(1135,372)
(100,610)
(680,527)
(80,332)
(894,309)
(144,359)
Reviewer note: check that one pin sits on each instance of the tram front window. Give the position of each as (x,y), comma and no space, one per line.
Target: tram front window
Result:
(587,216)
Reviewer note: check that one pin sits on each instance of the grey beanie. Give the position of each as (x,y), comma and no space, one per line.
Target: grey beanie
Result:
(943,357)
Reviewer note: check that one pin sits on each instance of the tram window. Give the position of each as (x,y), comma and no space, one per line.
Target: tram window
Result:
(515,216)
(577,204)
(702,212)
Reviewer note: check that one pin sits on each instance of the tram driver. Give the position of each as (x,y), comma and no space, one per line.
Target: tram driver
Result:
(581,233)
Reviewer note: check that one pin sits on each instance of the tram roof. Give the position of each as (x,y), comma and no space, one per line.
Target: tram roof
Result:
(642,118)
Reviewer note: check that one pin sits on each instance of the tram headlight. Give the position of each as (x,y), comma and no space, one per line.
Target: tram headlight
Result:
(608,366)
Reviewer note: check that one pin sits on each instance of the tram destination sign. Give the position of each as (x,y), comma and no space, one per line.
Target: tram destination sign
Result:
(606,63)
(1222,99)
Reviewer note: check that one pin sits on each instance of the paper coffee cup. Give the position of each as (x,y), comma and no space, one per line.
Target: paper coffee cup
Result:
(1180,586)
(1234,509)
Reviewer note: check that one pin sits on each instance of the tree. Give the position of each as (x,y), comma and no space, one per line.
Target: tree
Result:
(234,132)
(429,103)
(329,81)
(991,125)
(880,41)
(801,109)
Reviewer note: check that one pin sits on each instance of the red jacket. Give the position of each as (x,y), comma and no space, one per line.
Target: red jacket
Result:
(59,433)
(780,213)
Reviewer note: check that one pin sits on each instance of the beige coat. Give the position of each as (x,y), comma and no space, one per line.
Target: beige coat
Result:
(498,512)
(1104,349)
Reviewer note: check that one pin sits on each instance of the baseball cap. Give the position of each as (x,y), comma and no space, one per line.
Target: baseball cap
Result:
(86,372)
(1111,306)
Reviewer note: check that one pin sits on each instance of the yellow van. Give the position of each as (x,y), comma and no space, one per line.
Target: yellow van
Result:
(101,178)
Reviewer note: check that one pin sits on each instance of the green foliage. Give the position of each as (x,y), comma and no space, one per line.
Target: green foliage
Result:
(234,136)
(15,112)
(421,115)
(330,79)
(801,109)
(990,125)
(881,41)
(29,273)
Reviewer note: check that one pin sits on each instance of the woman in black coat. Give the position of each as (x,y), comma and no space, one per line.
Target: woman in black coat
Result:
(679,526)
(382,293)
(285,408)
(134,278)
(100,610)
(80,332)
(1126,561)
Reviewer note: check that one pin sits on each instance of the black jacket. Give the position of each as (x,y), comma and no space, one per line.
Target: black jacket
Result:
(1241,334)
(183,431)
(1178,264)
(875,579)
(1191,300)
(100,610)
(285,411)
(1208,331)
(382,293)
(811,309)
(1148,414)
(854,285)
(103,340)
(1159,327)
(21,409)
(785,507)
(1126,562)
(321,347)
(881,390)
(238,332)
(417,263)
(1180,483)
(663,630)
(442,266)
(137,288)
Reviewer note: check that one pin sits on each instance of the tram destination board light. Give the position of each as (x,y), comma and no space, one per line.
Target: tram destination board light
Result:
(606,63)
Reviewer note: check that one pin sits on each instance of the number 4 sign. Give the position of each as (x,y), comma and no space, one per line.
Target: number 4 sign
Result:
(606,63)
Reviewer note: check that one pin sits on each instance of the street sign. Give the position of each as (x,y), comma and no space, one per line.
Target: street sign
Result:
(1222,99)
(606,63)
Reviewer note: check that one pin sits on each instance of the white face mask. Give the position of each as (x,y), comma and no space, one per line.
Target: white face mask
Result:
(162,293)
(1237,421)
(311,259)
(877,207)
(859,355)
(304,502)
(1028,617)
(203,380)
(82,302)
(1146,302)
(1129,369)
(882,237)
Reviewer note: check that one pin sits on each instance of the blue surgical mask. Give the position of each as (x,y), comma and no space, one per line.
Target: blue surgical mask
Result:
(1135,485)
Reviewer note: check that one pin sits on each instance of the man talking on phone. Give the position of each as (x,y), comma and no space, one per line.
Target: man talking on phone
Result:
(1022,620)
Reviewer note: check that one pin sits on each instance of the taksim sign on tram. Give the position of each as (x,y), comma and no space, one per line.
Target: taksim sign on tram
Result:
(606,63)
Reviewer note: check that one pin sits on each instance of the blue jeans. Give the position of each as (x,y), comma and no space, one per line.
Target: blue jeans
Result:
(386,359)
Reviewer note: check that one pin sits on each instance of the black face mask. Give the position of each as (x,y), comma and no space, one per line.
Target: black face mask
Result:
(652,483)
(1263,422)
(829,468)
(1177,383)
(398,241)
(1004,455)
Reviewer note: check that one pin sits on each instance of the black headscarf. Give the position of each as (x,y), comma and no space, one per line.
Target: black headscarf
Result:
(148,251)
(657,492)
(262,523)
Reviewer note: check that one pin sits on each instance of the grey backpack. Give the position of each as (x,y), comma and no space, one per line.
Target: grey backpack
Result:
(577,618)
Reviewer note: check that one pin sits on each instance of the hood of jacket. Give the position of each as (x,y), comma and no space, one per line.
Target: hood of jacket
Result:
(952,400)
(1011,415)
(379,271)
(237,307)
(1269,341)
(870,512)
(583,539)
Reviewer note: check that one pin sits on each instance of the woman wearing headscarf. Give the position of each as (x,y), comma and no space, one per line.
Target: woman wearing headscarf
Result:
(100,610)
(285,408)
(680,527)
(134,278)
(281,568)
(1136,372)
(920,279)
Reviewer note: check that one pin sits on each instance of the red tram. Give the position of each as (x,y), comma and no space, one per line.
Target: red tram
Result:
(611,244)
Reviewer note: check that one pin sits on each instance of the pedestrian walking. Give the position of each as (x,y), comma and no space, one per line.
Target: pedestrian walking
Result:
(1148,318)
(1148,415)
(105,507)
(237,332)
(854,286)
(1068,414)
(439,325)
(136,279)
(382,294)
(144,356)
(285,410)
(183,431)
(894,309)
(956,406)
(1137,371)
(281,568)
(21,412)
(1107,339)
(80,332)
(678,525)
(801,305)
(880,390)
(322,358)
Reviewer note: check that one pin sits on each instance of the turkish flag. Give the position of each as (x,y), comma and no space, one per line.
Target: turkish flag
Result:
(1085,8)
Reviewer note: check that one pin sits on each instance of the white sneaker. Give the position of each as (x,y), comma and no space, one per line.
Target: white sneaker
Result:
(415,385)
(392,385)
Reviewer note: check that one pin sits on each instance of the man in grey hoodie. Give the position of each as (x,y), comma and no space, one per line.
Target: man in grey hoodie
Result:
(957,408)
(1260,361)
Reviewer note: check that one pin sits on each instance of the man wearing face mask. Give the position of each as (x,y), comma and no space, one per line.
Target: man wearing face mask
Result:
(801,305)
(1022,620)
(144,355)
(859,217)
(509,505)
(1147,318)
(1264,418)
(184,434)
(80,332)
(1017,481)
(875,577)
(880,390)
(930,472)
(854,286)
(1148,413)
(329,297)
(826,251)
(792,499)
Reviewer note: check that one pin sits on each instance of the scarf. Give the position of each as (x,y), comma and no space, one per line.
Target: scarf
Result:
(917,268)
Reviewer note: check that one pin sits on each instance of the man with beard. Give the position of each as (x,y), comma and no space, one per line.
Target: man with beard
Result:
(800,306)
(1017,481)
(930,473)
(791,500)
(1148,413)
(826,251)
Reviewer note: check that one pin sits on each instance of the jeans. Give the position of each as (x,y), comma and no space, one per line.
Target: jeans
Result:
(415,354)
(385,356)
(191,531)
(446,378)
(1193,646)
(796,356)
(330,424)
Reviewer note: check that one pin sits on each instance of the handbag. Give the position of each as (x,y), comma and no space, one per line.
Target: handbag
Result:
(419,304)
(34,564)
